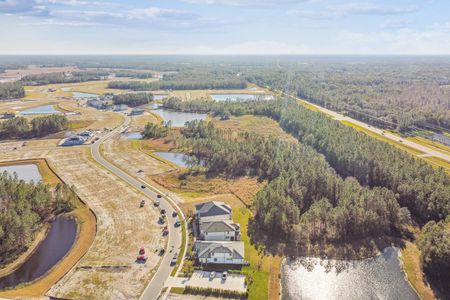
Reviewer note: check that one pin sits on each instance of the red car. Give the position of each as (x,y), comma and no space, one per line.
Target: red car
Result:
(142,251)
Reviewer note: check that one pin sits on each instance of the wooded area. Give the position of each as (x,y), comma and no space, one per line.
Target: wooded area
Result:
(20,127)
(11,90)
(24,208)
(386,95)
(305,200)
(187,80)
(134,99)
(424,190)
(70,77)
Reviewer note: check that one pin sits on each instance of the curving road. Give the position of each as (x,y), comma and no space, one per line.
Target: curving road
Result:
(156,284)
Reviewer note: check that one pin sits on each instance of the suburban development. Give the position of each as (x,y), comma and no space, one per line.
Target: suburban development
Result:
(224,149)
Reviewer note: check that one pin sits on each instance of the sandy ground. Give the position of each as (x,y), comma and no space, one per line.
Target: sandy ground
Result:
(108,270)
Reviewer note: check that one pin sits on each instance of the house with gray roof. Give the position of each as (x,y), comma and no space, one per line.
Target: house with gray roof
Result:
(212,211)
(220,252)
(222,230)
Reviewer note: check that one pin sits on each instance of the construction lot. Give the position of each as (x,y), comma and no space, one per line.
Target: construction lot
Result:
(108,270)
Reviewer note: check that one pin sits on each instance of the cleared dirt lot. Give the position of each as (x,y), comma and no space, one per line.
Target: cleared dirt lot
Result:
(108,270)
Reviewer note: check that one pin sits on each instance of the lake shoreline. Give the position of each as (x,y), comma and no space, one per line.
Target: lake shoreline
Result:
(86,221)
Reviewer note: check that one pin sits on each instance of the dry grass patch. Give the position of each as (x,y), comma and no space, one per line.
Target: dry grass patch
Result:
(260,125)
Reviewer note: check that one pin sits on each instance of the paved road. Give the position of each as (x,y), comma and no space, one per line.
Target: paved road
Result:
(156,284)
(427,151)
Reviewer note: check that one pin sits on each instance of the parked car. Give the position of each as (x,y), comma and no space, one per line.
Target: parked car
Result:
(161,220)
(142,251)
(141,259)
(177,224)
(157,203)
(159,196)
(142,186)
(224,275)
(212,275)
(174,259)
(161,252)
(174,214)
(163,211)
(142,203)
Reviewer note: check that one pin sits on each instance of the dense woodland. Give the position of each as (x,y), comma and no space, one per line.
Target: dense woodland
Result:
(11,90)
(133,100)
(134,74)
(20,127)
(434,243)
(69,77)
(305,200)
(424,190)
(24,207)
(193,80)
(386,95)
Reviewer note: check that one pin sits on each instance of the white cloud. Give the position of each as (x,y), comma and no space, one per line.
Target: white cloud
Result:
(360,8)
(260,3)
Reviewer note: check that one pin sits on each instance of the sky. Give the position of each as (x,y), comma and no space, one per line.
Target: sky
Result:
(224,27)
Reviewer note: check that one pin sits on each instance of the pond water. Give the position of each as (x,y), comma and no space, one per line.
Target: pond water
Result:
(131,136)
(84,95)
(236,97)
(379,277)
(178,118)
(176,158)
(40,110)
(56,244)
(27,172)
(159,97)
(66,89)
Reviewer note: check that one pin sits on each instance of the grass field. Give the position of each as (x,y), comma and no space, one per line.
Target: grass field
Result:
(438,162)
(260,125)
(430,144)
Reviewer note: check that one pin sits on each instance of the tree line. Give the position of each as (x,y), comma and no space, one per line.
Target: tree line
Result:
(62,77)
(11,90)
(154,131)
(133,99)
(134,74)
(20,127)
(24,208)
(305,200)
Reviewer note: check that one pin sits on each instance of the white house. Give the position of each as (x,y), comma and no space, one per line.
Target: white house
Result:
(219,252)
(224,230)
(212,211)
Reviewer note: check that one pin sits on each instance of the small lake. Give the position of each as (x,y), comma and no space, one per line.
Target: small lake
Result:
(174,157)
(159,97)
(379,277)
(241,97)
(53,248)
(27,172)
(131,136)
(40,110)
(84,95)
(178,118)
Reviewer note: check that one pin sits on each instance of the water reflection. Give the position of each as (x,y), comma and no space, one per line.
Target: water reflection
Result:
(26,172)
(379,277)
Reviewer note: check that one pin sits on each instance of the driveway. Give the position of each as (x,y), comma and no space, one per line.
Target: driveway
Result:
(234,282)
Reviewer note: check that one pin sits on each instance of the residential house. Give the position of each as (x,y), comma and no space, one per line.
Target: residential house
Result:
(212,211)
(220,252)
(223,230)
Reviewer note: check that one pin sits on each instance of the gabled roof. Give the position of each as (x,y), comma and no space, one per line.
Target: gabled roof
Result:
(205,249)
(219,226)
(212,208)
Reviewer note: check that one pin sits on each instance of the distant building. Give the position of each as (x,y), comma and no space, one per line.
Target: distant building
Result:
(96,104)
(220,231)
(120,107)
(74,140)
(136,111)
(8,115)
(220,252)
(212,211)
